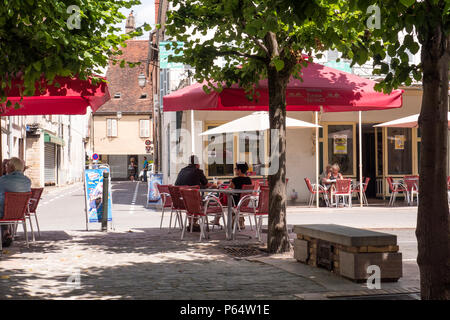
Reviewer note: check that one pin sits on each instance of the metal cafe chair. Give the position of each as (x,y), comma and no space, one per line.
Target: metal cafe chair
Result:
(195,209)
(356,190)
(15,209)
(312,189)
(32,207)
(344,190)
(412,189)
(178,204)
(262,210)
(251,201)
(166,202)
(395,188)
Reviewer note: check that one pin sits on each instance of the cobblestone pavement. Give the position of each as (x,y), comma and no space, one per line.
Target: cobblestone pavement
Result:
(143,264)
(150,263)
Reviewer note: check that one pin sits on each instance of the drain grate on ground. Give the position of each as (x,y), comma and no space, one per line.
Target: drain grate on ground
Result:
(244,251)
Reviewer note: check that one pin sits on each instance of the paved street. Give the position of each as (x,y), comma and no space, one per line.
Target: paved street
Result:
(137,260)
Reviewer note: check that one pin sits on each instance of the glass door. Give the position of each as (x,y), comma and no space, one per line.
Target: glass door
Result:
(341,146)
(399,151)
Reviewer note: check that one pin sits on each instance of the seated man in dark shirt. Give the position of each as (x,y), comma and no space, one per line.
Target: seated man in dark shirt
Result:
(192,175)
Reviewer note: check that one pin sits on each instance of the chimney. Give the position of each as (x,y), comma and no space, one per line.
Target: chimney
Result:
(156,10)
(130,25)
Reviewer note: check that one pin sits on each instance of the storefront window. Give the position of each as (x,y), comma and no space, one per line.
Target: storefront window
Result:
(399,147)
(251,146)
(340,147)
(220,154)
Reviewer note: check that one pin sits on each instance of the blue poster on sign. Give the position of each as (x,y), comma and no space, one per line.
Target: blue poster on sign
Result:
(94,191)
(153,194)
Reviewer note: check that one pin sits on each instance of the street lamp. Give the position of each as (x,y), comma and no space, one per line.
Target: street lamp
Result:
(142,80)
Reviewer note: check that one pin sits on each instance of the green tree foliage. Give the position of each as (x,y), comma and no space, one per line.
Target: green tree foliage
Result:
(255,35)
(258,39)
(42,37)
(408,26)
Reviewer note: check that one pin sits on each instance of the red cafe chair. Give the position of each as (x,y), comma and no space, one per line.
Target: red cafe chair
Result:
(312,190)
(166,202)
(15,210)
(357,191)
(195,209)
(344,190)
(262,210)
(32,206)
(395,188)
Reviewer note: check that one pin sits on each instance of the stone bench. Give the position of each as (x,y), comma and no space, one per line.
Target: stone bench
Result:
(348,251)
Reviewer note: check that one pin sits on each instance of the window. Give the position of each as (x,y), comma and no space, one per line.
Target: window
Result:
(143,96)
(220,154)
(111,127)
(252,150)
(399,147)
(340,147)
(117,95)
(144,128)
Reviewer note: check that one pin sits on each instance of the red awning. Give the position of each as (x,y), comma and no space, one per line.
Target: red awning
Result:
(333,89)
(72,96)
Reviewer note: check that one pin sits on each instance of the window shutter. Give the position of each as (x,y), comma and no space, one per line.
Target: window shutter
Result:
(144,126)
(114,127)
(108,127)
(141,128)
(147,128)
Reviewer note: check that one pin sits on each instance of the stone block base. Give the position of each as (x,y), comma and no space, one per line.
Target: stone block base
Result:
(354,265)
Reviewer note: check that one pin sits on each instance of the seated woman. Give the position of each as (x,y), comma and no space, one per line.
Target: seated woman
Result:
(332,176)
(334,173)
(237,183)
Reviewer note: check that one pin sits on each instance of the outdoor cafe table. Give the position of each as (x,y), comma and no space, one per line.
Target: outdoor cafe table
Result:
(229,204)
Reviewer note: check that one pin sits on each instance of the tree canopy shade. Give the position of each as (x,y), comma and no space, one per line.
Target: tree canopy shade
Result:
(58,38)
(260,39)
(407,25)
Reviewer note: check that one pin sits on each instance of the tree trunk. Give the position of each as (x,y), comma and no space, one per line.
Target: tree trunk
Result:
(277,237)
(432,220)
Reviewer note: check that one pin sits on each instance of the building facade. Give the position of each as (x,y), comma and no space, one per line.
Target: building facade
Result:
(13,136)
(121,129)
(393,152)
(55,149)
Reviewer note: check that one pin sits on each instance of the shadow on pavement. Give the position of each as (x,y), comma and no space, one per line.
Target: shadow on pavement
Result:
(143,264)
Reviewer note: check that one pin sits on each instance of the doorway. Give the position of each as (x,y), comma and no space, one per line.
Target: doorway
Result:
(369,158)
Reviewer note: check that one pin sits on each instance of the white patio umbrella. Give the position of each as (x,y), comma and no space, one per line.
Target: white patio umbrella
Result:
(406,122)
(257,121)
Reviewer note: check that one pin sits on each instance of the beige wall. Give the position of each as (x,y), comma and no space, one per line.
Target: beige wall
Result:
(128,140)
(35,161)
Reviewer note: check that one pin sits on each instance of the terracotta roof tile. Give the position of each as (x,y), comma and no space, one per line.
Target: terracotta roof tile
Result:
(125,81)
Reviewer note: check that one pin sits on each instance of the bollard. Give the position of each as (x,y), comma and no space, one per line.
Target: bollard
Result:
(105,200)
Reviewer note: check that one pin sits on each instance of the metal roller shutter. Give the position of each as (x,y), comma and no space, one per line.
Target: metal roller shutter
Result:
(49,163)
